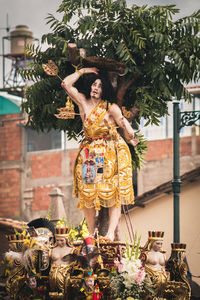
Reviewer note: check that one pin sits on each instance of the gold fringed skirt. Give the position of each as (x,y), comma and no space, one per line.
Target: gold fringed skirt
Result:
(103,171)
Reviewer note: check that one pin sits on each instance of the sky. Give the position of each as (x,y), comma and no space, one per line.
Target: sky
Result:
(33,13)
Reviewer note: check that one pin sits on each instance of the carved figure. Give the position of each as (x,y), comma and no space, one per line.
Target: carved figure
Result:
(110,185)
(178,269)
(60,268)
(31,254)
(154,261)
(90,288)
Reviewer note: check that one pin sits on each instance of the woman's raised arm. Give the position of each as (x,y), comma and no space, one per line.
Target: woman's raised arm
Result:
(69,81)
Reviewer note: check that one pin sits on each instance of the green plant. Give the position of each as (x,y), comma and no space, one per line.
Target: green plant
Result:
(160,55)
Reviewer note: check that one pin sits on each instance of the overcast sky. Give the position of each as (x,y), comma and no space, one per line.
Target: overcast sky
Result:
(33,13)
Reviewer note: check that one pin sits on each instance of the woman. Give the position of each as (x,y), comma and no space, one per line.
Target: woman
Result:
(100,120)
(60,268)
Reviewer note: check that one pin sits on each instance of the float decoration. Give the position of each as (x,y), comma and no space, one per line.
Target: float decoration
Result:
(66,112)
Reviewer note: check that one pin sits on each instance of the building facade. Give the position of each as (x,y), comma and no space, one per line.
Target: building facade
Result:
(32,165)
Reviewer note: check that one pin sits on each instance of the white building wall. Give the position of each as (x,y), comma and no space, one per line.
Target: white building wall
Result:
(165,129)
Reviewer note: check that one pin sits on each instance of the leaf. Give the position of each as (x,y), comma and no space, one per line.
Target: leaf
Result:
(161,57)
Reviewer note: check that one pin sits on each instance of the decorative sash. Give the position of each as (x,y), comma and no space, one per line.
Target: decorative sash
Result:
(97,114)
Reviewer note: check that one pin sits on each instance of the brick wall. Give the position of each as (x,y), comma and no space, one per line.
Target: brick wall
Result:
(162,149)
(10,192)
(10,139)
(42,171)
(159,149)
(72,156)
(46,171)
(41,199)
(47,165)
(10,165)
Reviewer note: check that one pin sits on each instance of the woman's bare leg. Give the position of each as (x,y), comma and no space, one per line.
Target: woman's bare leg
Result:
(114,216)
(89,214)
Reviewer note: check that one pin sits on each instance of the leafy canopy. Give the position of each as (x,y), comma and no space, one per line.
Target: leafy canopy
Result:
(161,56)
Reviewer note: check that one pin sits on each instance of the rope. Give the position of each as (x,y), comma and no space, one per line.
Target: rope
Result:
(127,225)
(130,224)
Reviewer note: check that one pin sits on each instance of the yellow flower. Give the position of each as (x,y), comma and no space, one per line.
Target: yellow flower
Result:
(29,243)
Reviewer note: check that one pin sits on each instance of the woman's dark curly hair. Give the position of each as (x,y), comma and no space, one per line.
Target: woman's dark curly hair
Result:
(108,92)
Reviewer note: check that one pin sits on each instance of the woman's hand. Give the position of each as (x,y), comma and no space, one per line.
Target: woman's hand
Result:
(133,142)
(89,70)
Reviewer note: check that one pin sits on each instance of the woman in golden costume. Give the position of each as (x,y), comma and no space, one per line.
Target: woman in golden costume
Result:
(154,261)
(103,172)
(60,268)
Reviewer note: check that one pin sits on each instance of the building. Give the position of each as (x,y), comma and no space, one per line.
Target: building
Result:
(153,210)
(32,164)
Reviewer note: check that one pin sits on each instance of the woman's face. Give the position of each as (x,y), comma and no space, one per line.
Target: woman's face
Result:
(96,89)
(157,245)
(61,242)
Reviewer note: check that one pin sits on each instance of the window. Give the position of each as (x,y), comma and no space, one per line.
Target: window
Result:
(39,141)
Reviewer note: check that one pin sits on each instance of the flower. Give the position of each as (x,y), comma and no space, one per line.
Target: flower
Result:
(79,232)
(118,265)
(128,283)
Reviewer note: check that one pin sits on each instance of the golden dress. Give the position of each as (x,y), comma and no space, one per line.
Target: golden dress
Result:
(103,171)
(58,276)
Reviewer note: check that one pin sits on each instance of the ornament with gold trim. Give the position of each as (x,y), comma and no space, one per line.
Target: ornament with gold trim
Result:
(178,247)
(66,112)
(155,235)
(61,231)
(127,113)
(17,238)
(152,237)
(51,69)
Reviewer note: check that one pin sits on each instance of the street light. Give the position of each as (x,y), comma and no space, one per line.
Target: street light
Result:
(180,119)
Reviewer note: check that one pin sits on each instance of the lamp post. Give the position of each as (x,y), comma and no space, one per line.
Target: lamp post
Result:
(180,119)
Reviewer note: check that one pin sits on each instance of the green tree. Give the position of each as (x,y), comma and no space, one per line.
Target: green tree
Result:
(160,55)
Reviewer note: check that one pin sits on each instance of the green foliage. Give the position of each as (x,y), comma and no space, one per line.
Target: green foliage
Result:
(138,151)
(161,56)
(132,251)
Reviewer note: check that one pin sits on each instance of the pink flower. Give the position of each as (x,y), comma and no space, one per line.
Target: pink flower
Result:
(119,265)
(140,276)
